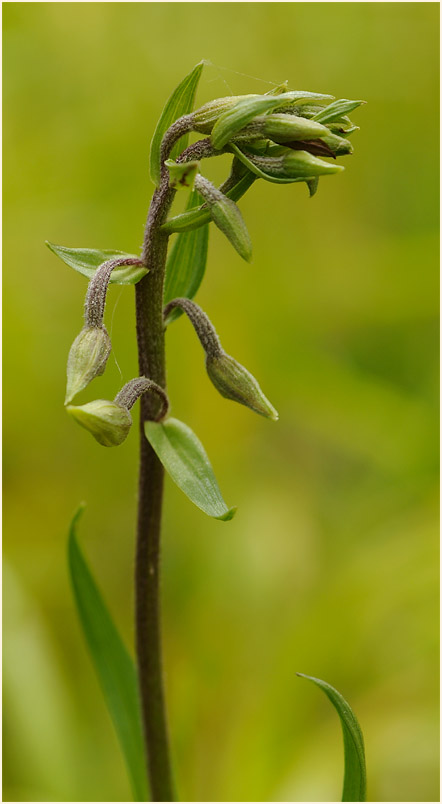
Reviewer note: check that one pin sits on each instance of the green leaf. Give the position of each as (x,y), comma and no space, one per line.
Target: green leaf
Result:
(198,216)
(180,103)
(234,119)
(312,185)
(355,778)
(335,110)
(186,461)
(186,262)
(113,665)
(87,260)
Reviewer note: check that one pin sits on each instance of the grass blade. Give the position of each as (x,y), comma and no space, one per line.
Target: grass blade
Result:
(186,263)
(180,102)
(355,778)
(186,461)
(87,260)
(113,665)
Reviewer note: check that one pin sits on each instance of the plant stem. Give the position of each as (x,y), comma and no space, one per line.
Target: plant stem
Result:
(152,365)
(151,355)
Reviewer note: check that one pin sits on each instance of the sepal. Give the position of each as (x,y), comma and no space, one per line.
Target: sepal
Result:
(87,359)
(108,422)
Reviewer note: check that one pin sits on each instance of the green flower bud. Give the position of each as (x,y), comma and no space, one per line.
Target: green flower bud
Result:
(339,146)
(87,359)
(228,218)
(286,127)
(247,109)
(108,422)
(295,165)
(205,118)
(226,215)
(233,381)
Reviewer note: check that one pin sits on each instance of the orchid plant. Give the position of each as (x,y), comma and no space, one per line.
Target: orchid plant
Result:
(285,136)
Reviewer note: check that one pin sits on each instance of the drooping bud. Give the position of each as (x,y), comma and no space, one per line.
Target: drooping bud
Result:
(87,359)
(226,215)
(233,381)
(108,422)
(181,175)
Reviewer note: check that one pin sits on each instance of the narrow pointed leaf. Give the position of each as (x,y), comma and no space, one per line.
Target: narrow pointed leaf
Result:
(198,216)
(355,778)
(246,109)
(335,110)
(87,260)
(186,461)
(186,262)
(180,103)
(114,667)
(312,185)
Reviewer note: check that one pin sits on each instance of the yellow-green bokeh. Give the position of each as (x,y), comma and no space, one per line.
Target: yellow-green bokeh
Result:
(330,565)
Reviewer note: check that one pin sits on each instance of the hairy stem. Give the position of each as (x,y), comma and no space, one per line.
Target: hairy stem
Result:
(152,365)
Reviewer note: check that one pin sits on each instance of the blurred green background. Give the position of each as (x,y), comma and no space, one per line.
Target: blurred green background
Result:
(330,566)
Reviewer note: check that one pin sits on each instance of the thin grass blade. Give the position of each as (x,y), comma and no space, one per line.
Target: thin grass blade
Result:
(355,777)
(185,459)
(180,103)
(114,667)
(186,262)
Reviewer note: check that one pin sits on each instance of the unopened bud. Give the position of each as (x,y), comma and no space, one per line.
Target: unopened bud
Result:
(233,381)
(287,127)
(205,118)
(87,359)
(226,215)
(339,146)
(108,422)
(246,109)
(294,165)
